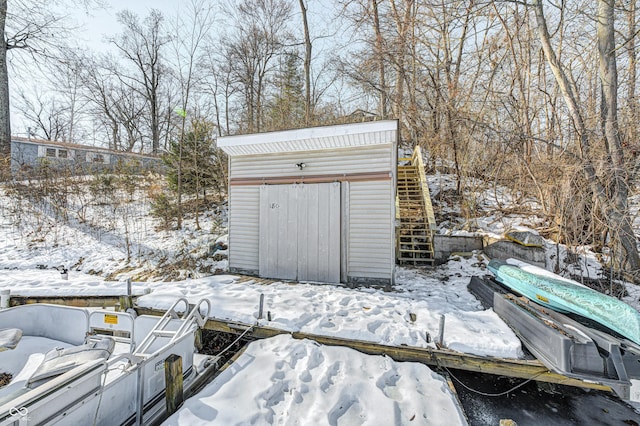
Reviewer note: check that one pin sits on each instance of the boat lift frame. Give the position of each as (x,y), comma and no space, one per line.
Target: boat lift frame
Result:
(564,344)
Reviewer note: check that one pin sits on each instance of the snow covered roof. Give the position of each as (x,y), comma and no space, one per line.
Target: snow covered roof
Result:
(312,138)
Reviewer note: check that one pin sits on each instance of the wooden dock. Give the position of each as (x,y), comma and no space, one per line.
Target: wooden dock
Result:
(440,358)
(443,358)
(77,301)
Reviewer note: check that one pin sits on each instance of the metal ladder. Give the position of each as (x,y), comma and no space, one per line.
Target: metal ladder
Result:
(190,317)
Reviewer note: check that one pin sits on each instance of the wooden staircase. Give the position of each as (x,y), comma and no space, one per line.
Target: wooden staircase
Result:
(414,212)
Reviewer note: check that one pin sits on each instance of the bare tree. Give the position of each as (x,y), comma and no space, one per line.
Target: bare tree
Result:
(29,26)
(187,51)
(219,85)
(112,105)
(56,111)
(308,47)
(5,114)
(260,33)
(379,52)
(610,189)
(49,119)
(141,44)
(369,70)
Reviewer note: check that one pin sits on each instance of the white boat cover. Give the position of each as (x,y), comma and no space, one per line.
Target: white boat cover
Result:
(59,361)
(9,338)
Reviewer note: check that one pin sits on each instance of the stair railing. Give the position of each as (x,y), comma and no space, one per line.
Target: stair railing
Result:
(416,159)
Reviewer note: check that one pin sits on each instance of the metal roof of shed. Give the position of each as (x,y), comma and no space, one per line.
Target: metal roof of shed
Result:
(312,138)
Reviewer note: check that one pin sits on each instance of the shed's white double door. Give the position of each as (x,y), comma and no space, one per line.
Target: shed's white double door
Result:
(300,232)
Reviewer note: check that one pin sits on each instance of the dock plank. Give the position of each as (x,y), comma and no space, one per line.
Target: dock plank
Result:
(519,368)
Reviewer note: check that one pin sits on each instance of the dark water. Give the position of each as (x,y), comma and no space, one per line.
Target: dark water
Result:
(539,403)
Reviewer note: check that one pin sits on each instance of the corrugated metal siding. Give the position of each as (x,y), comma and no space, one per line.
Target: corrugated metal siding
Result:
(376,158)
(244,214)
(278,251)
(371,234)
(319,233)
(300,232)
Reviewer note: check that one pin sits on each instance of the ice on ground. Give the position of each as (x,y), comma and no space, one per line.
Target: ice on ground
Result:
(299,382)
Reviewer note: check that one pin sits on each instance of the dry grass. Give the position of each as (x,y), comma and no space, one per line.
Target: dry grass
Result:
(5,379)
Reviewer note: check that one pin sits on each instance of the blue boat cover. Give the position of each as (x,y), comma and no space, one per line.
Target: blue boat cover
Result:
(562,295)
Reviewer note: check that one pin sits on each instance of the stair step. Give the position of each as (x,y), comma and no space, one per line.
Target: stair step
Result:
(415,259)
(415,251)
(414,232)
(163,333)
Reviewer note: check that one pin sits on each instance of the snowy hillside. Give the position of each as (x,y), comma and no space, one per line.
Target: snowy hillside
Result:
(116,241)
(113,237)
(104,244)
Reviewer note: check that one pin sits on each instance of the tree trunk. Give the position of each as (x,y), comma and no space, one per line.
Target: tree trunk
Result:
(5,116)
(613,205)
(307,65)
(155,126)
(618,207)
(631,84)
(380,60)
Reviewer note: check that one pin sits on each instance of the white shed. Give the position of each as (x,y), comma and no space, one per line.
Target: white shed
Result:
(314,204)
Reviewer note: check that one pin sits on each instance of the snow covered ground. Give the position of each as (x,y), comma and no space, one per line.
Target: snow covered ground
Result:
(361,314)
(278,380)
(299,382)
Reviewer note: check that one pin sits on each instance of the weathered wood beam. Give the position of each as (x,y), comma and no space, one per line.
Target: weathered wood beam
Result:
(174,395)
(520,368)
(77,301)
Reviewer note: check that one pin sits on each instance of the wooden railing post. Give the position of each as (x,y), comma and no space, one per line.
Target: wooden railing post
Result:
(173,381)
